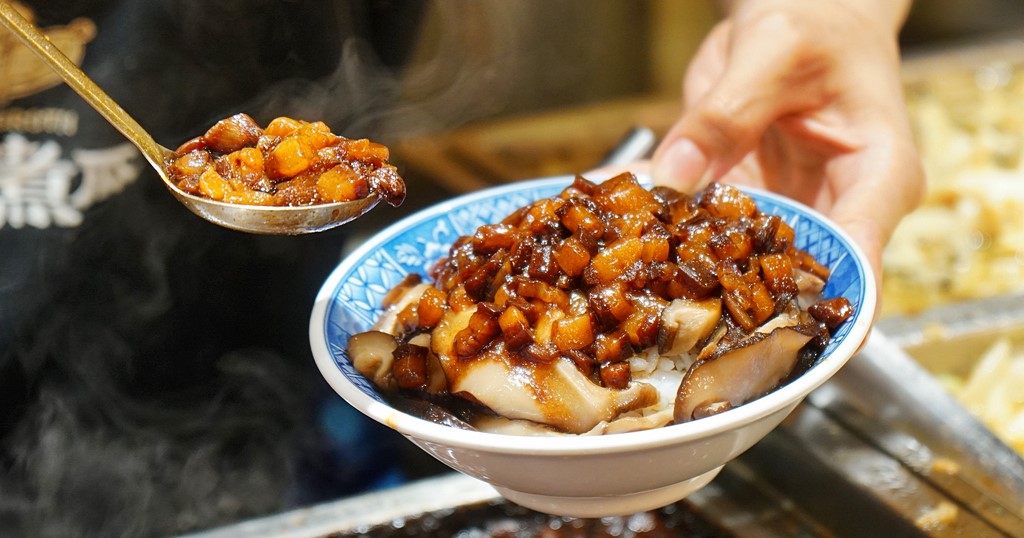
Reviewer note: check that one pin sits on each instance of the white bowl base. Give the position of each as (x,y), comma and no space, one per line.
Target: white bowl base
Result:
(619,505)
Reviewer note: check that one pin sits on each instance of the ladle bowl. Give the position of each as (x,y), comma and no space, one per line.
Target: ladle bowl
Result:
(275,220)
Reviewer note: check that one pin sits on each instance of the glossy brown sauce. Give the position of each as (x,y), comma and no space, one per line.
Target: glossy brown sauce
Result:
(288,163)
(586,275)
(595,276)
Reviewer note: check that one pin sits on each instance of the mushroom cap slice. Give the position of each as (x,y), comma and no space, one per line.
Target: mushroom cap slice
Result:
(388,321)
(685,322)
(739,374)
(556,394)
(372,353)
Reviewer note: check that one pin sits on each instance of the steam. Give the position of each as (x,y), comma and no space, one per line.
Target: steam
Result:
(136,468)
(461,70)
(145,412)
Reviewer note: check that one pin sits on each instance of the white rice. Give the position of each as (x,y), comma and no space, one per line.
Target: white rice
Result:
(665,373)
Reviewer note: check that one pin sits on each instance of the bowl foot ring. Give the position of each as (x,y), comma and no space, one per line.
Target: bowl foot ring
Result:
(618,505)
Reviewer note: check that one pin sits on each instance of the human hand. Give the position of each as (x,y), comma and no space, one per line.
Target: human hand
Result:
(804,99)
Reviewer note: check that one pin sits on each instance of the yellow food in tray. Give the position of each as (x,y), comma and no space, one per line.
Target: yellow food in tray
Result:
(966,241)
(994,391)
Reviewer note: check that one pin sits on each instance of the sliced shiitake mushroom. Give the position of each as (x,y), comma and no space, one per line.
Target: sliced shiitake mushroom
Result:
(404,299)
(685,322)
(372,354)
(555,393)
(739,374)
(432,412)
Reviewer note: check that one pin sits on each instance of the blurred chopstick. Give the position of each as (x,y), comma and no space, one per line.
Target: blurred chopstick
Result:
(636,144)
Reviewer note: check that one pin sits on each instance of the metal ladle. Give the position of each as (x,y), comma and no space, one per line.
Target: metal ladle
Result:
(290,220)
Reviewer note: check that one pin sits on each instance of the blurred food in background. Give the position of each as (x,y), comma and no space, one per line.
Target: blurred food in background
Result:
(966,241)
(994,390)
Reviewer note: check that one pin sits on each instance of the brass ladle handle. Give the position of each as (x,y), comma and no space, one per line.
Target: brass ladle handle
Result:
(29,34)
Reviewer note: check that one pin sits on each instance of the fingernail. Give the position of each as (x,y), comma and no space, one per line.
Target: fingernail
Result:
(683,165)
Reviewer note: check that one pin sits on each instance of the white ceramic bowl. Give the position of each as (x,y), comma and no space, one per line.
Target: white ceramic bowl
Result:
(573,476)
